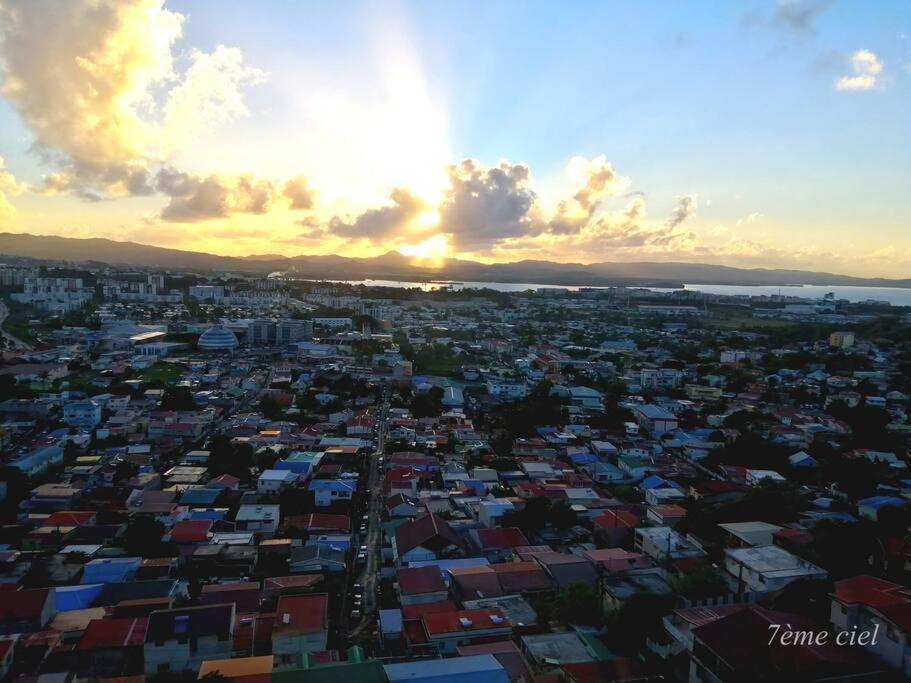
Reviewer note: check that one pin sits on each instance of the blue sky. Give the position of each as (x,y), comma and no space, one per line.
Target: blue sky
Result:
(733,104)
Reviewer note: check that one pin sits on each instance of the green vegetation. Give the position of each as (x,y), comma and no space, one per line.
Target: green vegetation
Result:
(166,373)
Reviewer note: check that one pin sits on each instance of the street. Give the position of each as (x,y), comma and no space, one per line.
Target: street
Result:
(368,577)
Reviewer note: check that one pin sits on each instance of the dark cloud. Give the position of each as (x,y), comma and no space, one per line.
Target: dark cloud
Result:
(483,205)
(196,198)
(686,208)
(382,222)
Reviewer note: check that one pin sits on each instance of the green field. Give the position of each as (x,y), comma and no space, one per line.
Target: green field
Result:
(168,373)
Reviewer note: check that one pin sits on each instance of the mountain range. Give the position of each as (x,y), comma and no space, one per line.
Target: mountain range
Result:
(395,266)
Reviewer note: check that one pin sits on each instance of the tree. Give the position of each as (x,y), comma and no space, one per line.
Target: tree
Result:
(269,407)
(178,399)
(579,603)
(428,403)
(704,581)
(142,537)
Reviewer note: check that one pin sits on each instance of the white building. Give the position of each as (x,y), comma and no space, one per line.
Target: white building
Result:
(274,481)
(767,568)
(506,389)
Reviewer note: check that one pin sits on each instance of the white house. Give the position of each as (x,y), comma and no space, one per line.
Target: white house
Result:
(767,568)
(274,481)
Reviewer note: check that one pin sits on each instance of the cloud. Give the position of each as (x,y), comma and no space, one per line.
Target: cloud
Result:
(599,180)
(685,209)
(299,192)
(9,186)
(798,16)
(195,198)
(87,78)
(484,205)
(383,222)
(867,68)
(209,95)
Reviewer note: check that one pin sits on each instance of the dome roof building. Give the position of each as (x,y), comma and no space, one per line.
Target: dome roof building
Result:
(217,338)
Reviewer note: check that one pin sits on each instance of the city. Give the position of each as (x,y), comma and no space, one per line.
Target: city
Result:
(229,475)
(414,341)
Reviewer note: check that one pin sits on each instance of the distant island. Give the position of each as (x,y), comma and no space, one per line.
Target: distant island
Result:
(396,266)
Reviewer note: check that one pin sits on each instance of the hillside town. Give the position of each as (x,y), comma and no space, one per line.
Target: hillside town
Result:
(251,478)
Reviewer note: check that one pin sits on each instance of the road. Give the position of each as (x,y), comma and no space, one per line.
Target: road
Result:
(374,541)
(13,343)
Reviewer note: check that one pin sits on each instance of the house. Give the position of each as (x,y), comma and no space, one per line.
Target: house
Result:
(469,669)
(400,505)
(744,534)
(263,519)
(490,511)
(736,648)
(661,542)
(240,669)
(274,481)
(565,569)
(301,626)
(497,544)
(181,639)
(426,538)
(655,420)
(82,414)
(112,646)
(418,585)
(329,491)
(863,603)
(317,557)
(754,477)
(870,507)
(448,630)
(26,611)
(767,568)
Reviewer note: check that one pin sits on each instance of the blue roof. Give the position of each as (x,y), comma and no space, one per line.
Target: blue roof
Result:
(69,598)
(658,482)
(333,484)
(200,496)
(881,501)
(109,570)
(473,668)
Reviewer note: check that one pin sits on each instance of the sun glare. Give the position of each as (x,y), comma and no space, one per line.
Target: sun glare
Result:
(430,252)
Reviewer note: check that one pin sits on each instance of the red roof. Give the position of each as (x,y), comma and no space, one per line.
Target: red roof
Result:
(26,604)
(114,632)
(519,577)
(319,521)
(508,537)
(69,518)
(617,519)
(419,610)
(420,580)
(429,531)
(301,614)
(443,623)
(871,591)
(191,531)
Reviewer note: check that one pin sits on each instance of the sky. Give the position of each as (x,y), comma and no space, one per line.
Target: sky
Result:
(771,134)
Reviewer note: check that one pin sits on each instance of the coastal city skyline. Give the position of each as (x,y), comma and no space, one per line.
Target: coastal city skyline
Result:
(763,134)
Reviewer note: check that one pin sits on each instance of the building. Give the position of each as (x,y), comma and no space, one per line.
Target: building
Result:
(660,378)
(767,568)
(469,669)
(506,389)
(301,626)
(655,420)
(261,333)
(449,630)
(213,293)
(217,338)
(82,414)
(274,481)
(329,491)
(659,542)
(291,331)
(841,339)
(182,639)
(701,392)
(864,603)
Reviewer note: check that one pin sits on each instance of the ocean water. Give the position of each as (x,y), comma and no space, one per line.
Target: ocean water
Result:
(894,295)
